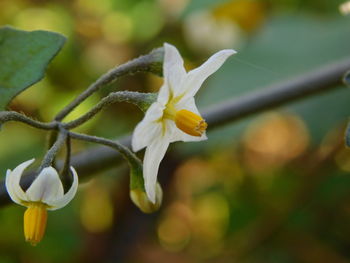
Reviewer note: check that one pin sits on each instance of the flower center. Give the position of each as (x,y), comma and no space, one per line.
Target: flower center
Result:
(35,218)
(190,123)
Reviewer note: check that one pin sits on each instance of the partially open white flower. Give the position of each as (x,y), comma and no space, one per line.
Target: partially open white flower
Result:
(174,116)
(45,193)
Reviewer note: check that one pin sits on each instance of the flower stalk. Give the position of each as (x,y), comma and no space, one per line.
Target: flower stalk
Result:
(151,62)
(142,100)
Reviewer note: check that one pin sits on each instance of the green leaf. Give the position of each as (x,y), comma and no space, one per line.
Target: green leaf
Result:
(24,57)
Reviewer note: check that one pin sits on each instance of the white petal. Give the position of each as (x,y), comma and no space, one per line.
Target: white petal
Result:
(173,70)
(46,186)
(149,128)
(164,94)
(64,200)
(187,104)
(196,77)
(13,179)
(153,156)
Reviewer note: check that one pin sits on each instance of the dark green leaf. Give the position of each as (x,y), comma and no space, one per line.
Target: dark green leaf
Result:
(24,57)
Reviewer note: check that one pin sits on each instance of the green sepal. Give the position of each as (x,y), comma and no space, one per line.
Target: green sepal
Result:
(138,193)
(136,176)
(156,61)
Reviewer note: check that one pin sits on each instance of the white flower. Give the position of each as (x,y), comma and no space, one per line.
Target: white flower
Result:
(174,116)
(45,193)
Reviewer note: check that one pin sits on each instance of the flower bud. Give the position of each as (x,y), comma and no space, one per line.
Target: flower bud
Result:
(140,199)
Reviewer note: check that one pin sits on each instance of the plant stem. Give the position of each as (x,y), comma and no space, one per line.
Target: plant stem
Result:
(146,63)
(6,116)
(142,100)
(65,172)
(129,156)
(52,152)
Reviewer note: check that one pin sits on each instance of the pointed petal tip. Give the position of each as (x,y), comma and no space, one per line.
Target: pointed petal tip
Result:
(49,170)
(167,45)
(134,145)
(67,197)
(12,182)
(151,194)
(228,52)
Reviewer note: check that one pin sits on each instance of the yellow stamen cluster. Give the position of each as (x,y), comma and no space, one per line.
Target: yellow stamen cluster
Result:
(190,123)
(35,218)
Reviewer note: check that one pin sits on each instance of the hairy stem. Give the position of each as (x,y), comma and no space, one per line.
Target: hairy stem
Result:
(147,63)
(52,152)
(128,155)
(142,100)
(65,172)
(6,116)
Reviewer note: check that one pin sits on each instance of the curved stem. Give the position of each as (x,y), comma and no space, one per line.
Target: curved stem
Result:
(52,152)
(142,100)
(123,150)
(327,78)
(147,63)
(6,116)
(65,172)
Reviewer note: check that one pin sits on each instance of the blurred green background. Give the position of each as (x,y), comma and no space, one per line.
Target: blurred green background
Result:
(272,188)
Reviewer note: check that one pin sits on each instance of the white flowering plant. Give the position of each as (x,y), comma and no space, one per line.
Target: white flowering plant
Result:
(170,115)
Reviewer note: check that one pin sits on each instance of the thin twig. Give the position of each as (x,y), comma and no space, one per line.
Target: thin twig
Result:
(65,172)
(140,99)
(123,150)
(52,152)
(6,116)
(147,63)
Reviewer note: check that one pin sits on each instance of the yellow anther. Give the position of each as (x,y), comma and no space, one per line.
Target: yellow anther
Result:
(35,218)
(190,123)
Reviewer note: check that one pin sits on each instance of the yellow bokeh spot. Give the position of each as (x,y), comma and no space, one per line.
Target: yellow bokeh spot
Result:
(52,19)
(211,216)
(93,7)
(248,14)
(96,211)
(174,230)
(342,159)
(273,140)
(117,27)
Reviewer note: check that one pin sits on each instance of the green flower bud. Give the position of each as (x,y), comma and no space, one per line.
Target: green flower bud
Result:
(140,199)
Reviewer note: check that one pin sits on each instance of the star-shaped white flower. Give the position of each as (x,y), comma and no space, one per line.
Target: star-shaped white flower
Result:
(174,116)
(45,193)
